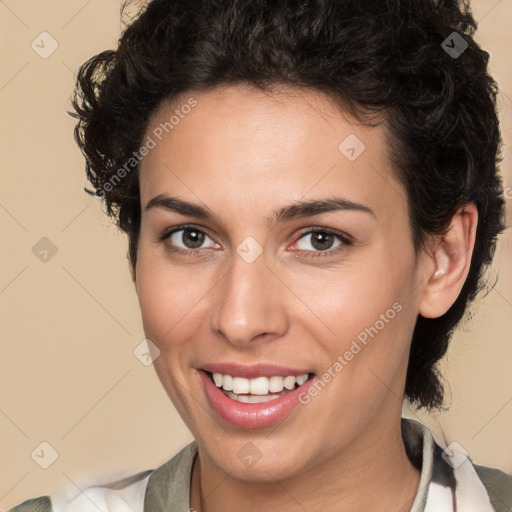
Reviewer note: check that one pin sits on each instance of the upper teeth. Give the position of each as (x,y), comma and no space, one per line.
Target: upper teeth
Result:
(259,385)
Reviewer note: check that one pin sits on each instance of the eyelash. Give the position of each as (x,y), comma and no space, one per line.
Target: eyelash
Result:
(196,253)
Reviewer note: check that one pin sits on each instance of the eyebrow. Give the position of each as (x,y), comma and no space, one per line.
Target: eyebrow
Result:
(297,210)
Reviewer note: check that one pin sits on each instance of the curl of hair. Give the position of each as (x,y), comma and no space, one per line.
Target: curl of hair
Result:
(372,57)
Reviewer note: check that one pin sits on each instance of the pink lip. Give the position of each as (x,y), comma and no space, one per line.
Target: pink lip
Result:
(252,416)
(253,371)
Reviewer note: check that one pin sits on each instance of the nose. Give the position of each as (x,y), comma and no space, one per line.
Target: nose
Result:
(249,303)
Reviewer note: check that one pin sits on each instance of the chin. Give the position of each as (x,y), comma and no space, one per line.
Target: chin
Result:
(258,460)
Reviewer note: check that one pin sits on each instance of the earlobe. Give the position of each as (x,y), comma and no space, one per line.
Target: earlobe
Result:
(451,258)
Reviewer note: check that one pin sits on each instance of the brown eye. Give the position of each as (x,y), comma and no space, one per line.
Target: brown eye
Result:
(187,240)
(191,238)
(322,242)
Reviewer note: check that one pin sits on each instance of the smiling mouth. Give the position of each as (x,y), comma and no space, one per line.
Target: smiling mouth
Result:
(259,389)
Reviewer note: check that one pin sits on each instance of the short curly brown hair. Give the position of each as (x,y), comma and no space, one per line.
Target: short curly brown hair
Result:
(384,57)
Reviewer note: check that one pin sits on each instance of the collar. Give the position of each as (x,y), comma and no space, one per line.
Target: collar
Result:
(448,482)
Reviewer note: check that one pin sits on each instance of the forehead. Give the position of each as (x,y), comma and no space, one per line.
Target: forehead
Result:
(253,148)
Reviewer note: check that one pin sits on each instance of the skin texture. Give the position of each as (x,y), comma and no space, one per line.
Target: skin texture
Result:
(243,154)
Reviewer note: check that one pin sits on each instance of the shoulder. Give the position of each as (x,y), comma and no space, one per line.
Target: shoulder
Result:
(167,484)
(118,496)
(41,504)
(450,478)
(498,486)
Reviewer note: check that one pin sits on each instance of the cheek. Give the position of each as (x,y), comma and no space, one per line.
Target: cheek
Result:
(355,296)
(370,316)
(169,301)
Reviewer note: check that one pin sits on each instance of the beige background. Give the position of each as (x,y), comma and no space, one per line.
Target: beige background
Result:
(69,326)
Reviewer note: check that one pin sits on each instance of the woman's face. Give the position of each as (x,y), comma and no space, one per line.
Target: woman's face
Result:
(331,291)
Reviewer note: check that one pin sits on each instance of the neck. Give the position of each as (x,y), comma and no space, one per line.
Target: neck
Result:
(372,473)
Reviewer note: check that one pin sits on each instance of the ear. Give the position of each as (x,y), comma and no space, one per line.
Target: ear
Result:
(450,259)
